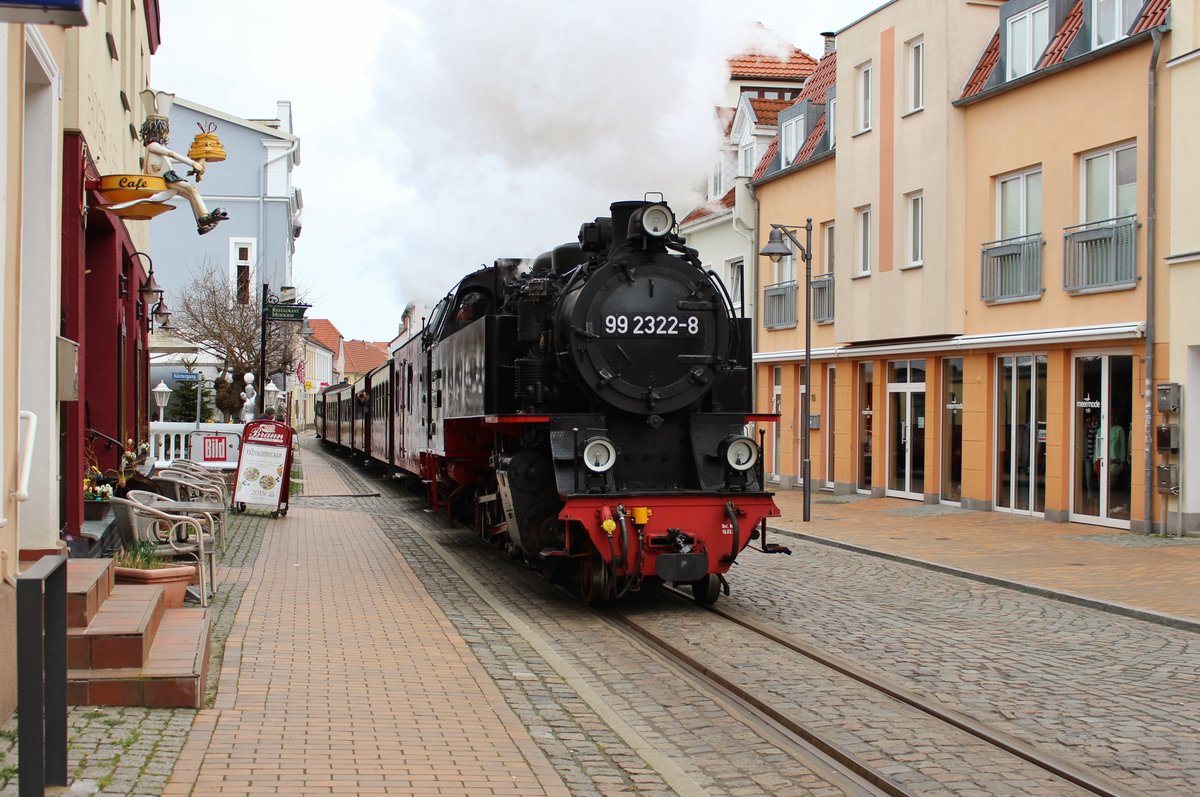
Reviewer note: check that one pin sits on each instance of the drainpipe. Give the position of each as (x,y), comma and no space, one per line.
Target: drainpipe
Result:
(1151,211)
(262,200)
(752,235)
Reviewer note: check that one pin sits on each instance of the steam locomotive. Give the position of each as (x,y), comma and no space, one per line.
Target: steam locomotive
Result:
(585,409)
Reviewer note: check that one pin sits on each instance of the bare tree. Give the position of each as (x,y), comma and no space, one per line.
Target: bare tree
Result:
(211,317)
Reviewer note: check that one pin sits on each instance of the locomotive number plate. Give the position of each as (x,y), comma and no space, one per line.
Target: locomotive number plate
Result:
(656,325)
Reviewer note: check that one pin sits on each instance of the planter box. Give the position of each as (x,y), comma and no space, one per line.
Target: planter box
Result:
(95,510)
(175,579)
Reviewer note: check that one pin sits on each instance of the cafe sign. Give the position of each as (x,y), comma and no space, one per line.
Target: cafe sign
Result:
(67,13)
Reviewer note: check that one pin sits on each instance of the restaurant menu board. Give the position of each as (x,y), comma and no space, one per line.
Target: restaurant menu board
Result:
(262,474)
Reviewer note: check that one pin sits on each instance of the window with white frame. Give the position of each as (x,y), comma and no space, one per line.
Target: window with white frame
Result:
(1110,184)
(828,251)
(785,269)
(791,139)
(1112,19)
(737,272)
(862,239)
(916,228)
(746,159)
(831,122)
(916,74)
(1019,205)
(1028,35)
(241,268)
(863,84)
(716,181)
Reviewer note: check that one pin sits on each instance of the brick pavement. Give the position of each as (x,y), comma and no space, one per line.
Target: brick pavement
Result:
(342,676)
(1151,574)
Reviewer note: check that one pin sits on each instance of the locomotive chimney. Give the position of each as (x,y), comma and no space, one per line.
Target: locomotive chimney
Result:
(621,213)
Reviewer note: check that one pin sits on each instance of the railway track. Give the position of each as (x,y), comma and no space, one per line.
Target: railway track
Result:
(1076,778)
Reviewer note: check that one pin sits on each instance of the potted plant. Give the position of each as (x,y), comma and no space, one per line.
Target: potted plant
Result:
(95,497)
(141,563)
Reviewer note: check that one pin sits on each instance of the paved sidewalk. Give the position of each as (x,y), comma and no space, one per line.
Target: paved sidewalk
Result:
(1159,575)
(342,676)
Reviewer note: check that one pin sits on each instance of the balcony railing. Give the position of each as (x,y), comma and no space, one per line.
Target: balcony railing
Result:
(822,298)
(779,305)
(1011,269)
(1100,255)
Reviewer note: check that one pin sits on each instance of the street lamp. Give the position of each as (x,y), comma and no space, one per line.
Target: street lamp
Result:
(777,249)
(162,394)
(272,395)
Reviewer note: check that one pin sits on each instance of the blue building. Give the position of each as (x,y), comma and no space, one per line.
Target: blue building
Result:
(253,185)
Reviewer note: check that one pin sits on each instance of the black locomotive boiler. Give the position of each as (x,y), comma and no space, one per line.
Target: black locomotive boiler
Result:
(588,406)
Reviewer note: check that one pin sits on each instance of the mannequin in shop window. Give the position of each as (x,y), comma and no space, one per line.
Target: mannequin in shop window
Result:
(1116,448)
(1091,430)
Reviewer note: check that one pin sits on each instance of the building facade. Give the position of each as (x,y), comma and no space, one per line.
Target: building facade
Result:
(72,333)
(988,340)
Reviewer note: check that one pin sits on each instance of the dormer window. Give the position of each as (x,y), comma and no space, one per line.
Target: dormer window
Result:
(1028,35)
(746,162)
(1112,19)
(716,181)
(792,138)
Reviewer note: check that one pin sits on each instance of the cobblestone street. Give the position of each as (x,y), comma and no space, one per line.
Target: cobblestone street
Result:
(304,698)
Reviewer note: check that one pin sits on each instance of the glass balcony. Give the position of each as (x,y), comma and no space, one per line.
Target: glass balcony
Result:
(1101,255)
(1011,269)
(779,305)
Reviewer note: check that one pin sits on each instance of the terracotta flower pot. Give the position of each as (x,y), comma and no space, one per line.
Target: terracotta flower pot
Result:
(175,579)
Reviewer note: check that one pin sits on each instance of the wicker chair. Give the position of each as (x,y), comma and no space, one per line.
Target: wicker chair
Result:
(183,487)
(173,536)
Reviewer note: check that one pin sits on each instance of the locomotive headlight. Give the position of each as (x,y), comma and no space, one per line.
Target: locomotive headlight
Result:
(599,454)
(657,220)
(739,452)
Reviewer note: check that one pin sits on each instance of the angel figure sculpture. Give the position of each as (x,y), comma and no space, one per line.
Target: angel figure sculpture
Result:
(160,160)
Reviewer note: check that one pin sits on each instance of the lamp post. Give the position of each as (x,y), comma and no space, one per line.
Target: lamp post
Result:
(162,394)
(777,249)
(272,396)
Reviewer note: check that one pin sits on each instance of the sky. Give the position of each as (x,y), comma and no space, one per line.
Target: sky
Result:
(439,135)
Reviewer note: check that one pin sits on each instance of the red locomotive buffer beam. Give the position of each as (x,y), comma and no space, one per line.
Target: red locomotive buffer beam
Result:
(676,529)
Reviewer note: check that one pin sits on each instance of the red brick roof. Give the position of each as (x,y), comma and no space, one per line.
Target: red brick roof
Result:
(797,66)
(362,356)
(710,208)
(983,69)
(325,333)
(822,79)
(1153,15)
(810,144)
(760,171)
(767,111)
(725,117)
(1057,50)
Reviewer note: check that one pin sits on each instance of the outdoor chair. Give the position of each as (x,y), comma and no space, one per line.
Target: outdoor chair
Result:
(173,537)
(186,489)
(196,469)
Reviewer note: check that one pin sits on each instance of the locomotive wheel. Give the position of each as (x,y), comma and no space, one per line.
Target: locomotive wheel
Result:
(706,590)
(595,583)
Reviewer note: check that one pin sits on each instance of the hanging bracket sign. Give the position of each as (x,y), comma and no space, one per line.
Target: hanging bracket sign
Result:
(286,312)
(264,466)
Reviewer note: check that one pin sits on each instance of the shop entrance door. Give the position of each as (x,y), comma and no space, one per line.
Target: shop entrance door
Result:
(1102,409)
(906,428)
(1021,434)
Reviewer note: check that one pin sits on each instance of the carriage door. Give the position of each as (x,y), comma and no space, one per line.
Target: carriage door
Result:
(1102,409)
(906,428)
(1021,434)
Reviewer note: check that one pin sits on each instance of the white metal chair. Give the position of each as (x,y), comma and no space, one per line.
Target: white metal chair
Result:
(173,537)
(183,487)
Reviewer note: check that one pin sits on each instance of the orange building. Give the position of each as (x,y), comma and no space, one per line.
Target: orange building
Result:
(979,179)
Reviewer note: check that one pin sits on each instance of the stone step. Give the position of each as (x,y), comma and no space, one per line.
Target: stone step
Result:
(122,632)
(89,583)
(173,675)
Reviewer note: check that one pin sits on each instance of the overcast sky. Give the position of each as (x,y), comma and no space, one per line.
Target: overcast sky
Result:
(437,135)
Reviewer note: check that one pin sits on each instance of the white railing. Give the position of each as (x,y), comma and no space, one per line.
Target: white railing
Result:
(169,441)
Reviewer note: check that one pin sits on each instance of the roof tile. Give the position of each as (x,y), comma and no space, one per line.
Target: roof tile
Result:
(767,111)
(822,79)
(983,69)
(761,170)
(325,333)
(711,208)
(797,66)
(810,145)
(1153,15)
(362,356)
(1057,51)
